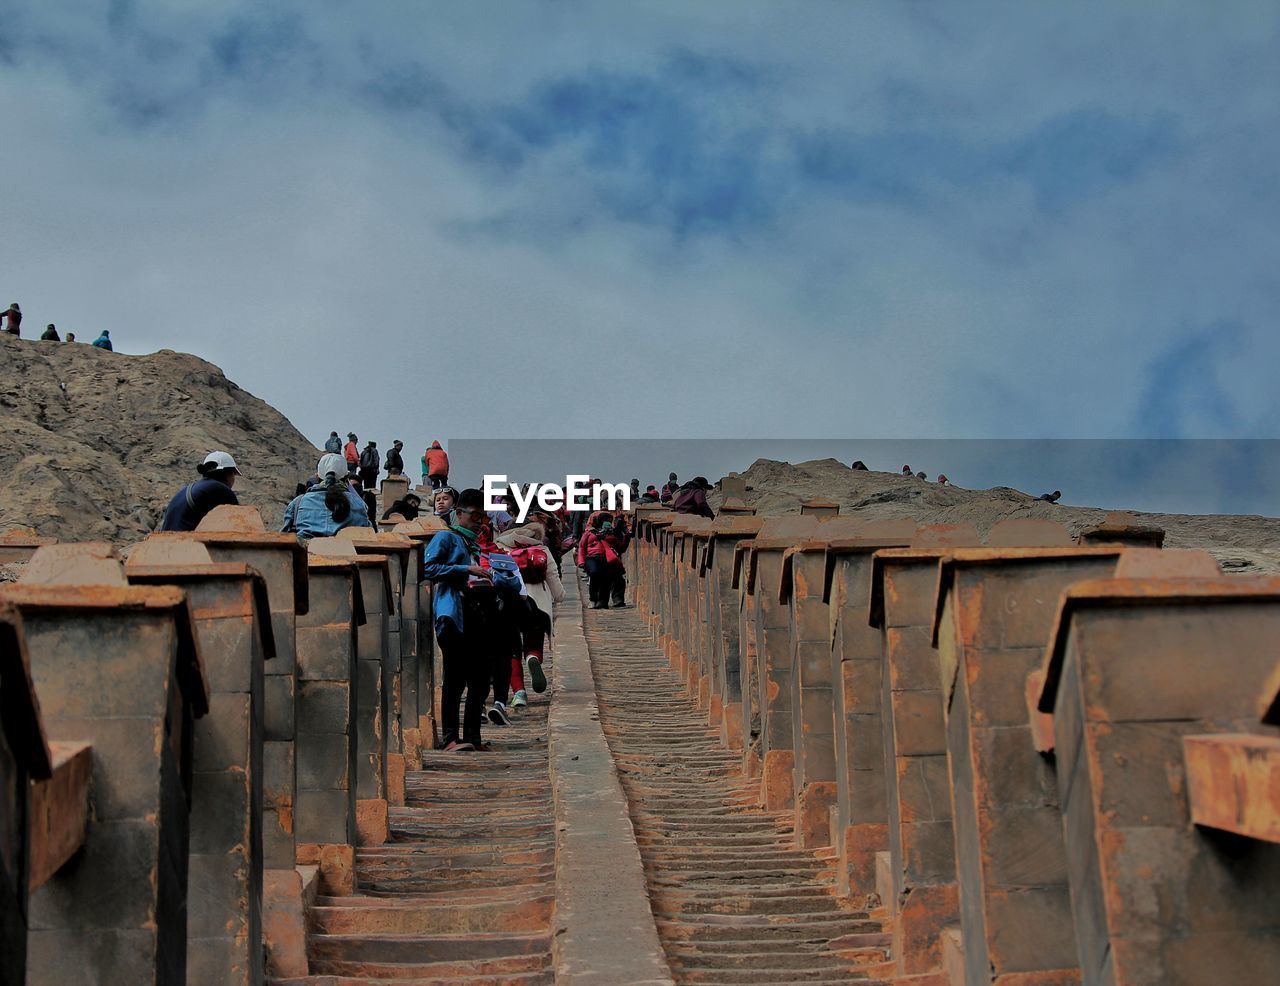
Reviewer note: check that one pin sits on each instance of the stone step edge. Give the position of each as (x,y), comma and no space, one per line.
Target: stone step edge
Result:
(603,930)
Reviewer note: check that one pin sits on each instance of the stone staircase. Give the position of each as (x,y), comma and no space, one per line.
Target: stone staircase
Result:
(464,889)
(735,900)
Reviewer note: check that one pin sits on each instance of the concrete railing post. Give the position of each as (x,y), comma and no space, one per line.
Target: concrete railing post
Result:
(1137,669)
(116,666)
(233,627)
(725,625)
(372,708)
(327,712)
(24,757)
(922,898)
(772,671)
(854,680)
(237,535)
(802,590)
(994,610)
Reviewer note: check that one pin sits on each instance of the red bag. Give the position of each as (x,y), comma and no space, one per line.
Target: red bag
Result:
(533,563)
(610,555)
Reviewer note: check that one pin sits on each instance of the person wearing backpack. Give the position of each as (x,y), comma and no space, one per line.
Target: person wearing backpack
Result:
(544,590)
(465,600)
(189,505)
(370,463)
(333,444)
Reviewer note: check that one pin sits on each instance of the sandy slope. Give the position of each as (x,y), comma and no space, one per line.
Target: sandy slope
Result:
(95,443)
(1241,543)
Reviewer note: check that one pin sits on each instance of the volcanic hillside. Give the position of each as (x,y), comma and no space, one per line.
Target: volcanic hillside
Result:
(1240,543)
(96,443)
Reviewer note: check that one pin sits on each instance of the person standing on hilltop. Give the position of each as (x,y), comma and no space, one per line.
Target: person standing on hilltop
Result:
(370,463)
(50,334)
(437,466)
(333,444)
(351,452)
(215,487)
(13,319)
(395,461)
(104,342)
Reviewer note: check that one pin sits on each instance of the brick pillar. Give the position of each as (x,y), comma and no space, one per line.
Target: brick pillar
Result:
(421,531)
(24,757)
(924,898)
(393,488)
(327,713)
(371,700)
(1119,527)
(238,535)
(1136,667)
(995,610)
(773,655)
(117,666)
(398,549)
(726,623)
(860,820)
(229,604)
(282,561)
(801,590)
(18,544)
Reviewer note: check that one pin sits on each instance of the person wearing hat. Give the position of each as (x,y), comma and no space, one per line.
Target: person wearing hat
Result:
(691,498)
(104,342)
(395,461)
(189,505)
(13,319)
(407,507)
(327,507)
(351,452)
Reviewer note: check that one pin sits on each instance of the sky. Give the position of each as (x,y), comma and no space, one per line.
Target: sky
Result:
(732,220)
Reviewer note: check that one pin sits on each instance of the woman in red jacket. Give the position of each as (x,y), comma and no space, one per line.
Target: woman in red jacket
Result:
(597,556)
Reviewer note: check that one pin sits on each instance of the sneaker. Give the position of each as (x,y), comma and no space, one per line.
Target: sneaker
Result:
(533,667)
(520,700)
(459,747)
(498,715)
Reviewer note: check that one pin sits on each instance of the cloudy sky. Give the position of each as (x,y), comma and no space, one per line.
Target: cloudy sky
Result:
(712,219)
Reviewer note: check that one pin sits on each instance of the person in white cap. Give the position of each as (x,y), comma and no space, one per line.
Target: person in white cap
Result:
(215,487)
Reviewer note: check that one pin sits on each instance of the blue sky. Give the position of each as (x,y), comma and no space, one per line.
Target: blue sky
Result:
(730,219)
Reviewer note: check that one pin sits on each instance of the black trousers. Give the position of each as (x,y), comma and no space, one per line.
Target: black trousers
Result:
(369,478)
(618,589)
(465,669)
(599,581)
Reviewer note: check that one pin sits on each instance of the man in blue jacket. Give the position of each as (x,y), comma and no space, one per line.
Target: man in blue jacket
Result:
(466,614)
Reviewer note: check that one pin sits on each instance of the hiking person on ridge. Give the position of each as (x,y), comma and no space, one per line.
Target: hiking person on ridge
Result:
(437,460)
(104,342)
(333,443)
(370,463)
(351,453)
(395,461)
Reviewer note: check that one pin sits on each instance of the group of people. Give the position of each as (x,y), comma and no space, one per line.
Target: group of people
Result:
(12,319)
(496,581)
(367,462)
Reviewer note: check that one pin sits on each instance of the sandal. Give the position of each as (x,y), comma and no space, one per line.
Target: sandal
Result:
(459,747)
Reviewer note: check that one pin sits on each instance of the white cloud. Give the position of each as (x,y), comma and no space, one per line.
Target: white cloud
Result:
(217,178)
